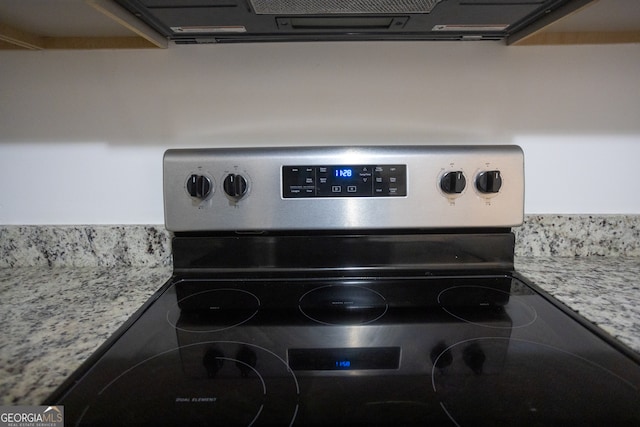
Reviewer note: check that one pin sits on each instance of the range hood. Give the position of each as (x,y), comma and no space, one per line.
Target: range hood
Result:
(215,21)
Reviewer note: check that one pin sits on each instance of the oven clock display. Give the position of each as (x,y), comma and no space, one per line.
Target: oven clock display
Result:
(343,173)
(343,364)
(343,359)
(344,181)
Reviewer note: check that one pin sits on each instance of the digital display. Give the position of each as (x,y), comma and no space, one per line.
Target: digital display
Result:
(344,181)
(344,359)
(343,173)
(343,364)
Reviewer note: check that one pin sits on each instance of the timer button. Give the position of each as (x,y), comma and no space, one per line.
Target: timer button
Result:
(489,182)
(199,186)
(453,182)
(235,186)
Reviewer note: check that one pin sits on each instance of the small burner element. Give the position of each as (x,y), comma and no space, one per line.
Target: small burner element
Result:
(214,310)
(487,306)
(343,305)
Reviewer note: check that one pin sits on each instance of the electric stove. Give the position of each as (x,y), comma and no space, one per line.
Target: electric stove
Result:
(362,285)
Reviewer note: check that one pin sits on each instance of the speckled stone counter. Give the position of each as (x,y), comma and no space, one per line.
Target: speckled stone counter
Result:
(54,318)
(84,246)
(604,290)
(579,235)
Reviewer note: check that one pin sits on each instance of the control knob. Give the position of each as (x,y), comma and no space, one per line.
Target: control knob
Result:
(453,182)
(489,182)
(235,185)
(199,186)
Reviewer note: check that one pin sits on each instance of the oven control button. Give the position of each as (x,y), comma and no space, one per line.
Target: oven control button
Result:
(235,186)
(199,186)
(489,182)
(453,182)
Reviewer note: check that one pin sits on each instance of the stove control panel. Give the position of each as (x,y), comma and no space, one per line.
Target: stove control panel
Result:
(334,188)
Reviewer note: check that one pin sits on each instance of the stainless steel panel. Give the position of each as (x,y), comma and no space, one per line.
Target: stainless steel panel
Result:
(264,208)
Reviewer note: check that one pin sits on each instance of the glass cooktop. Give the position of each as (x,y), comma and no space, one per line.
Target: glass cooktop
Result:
(451,351)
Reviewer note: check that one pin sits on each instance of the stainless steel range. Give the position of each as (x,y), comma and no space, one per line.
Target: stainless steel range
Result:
(362,285)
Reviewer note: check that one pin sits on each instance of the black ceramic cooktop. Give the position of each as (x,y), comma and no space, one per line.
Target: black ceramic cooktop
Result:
(451,351)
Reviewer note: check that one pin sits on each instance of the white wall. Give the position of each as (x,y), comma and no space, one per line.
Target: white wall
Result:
(82,132)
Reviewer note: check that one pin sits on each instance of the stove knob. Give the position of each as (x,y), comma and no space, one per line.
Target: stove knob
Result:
(489,182)
(235,186)
(199,186)
(453,182)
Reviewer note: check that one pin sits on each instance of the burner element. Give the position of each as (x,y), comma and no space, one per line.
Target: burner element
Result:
(343,305)
(214,310)
(487,306)
(521,376)
(208,387)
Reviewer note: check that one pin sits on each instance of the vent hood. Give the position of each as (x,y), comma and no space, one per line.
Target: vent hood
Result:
(216,21)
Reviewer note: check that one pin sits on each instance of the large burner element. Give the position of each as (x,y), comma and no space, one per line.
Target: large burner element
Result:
(530,384)
(222,384)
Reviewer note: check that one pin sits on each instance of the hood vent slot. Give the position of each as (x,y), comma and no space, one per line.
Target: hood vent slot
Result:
(342,23)
(348,7)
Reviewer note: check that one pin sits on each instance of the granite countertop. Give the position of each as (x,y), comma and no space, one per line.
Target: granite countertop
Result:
(55,318)
(603,290)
